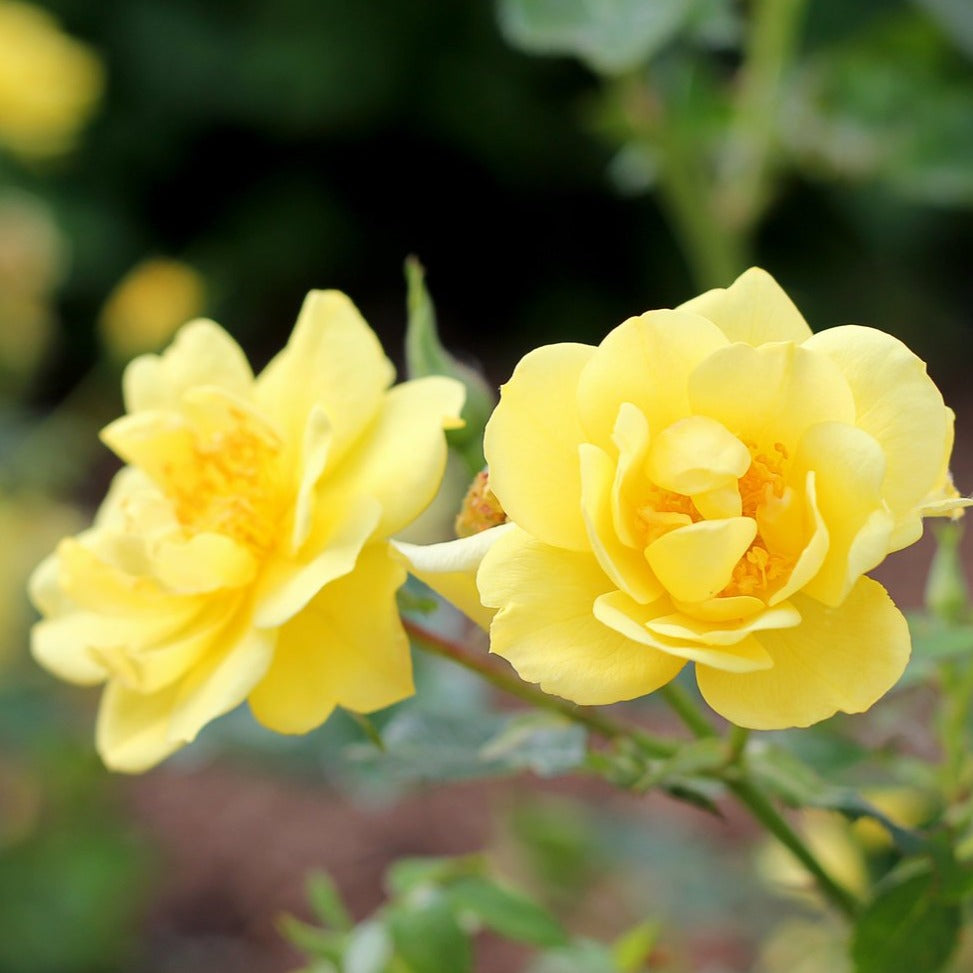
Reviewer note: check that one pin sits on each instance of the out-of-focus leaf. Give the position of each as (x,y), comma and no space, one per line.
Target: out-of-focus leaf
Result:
(428,937)
(804,946)
(947,591)
(461,746)
(582,956)
(610,36)
(542,742)
(320,943)
(956,19)
(508,913)
(632,949)
(425,355)
(369,948)
(407,874)
(326,901)
(798,785)
(888,107)
(907,926)
(934,641)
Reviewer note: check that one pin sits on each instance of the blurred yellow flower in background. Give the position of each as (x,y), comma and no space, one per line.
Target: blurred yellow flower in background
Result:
(148,305)
(711,484)
(49,82)
(841,845)
(243,553)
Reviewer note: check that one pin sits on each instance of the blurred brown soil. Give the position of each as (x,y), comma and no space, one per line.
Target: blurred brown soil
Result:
(235,846)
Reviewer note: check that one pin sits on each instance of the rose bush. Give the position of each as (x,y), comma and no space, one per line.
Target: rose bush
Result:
(243,551)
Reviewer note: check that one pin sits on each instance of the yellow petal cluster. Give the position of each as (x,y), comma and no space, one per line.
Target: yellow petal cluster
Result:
(710,485)
(242,552)
(49,82)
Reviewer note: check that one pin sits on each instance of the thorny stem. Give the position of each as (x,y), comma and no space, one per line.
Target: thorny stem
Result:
(734,774)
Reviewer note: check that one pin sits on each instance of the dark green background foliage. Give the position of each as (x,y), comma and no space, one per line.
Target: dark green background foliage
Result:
(283,145)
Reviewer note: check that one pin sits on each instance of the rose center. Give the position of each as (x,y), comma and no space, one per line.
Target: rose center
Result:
(760,568)
(229,485)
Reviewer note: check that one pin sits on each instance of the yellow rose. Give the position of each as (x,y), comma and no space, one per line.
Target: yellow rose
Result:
(711,484)
(243,553)
(49,82)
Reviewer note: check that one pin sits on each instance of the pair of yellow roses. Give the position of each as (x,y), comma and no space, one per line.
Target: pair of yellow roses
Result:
(709,484)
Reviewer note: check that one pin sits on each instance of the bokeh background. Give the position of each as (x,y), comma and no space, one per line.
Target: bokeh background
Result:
(162,159)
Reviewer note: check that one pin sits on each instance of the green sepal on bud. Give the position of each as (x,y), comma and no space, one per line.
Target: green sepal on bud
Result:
(425,355)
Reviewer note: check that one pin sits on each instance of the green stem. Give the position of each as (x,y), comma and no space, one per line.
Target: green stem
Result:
(715,257)
(754,799)
(747,162)
(686,710)
(733,775)
(597,722)
(764,811)
(716,253)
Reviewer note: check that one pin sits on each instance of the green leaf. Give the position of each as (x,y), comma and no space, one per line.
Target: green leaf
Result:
(799,786)
(407,874)
(581,956)
(325,900)
(693,758)
(934,641)
(463,746)
(428,937)
(545,743)
(369,948)
(886,106)
(508,913)
(955,19)
(425,355)
(907,926)
(632,949)
(367,727)
(316,943)
(610,36)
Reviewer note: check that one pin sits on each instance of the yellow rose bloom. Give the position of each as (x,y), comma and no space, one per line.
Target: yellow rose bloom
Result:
(243,551)
(710,484)
(49,82)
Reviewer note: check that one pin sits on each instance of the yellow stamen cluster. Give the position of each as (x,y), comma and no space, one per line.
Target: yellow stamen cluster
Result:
(230,485)
(480,509)
(664,510)
(759,568)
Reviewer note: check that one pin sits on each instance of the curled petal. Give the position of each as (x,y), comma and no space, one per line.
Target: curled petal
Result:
(400,459)
(898,405)
(450,569)
(842,658)
(754,309)
(548,632)
(202,354)
(346,648)
(619,612)
(849,469)
(645,361)
(531,445)
(770,394)
(696,562)
(626,566)
(332,361)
